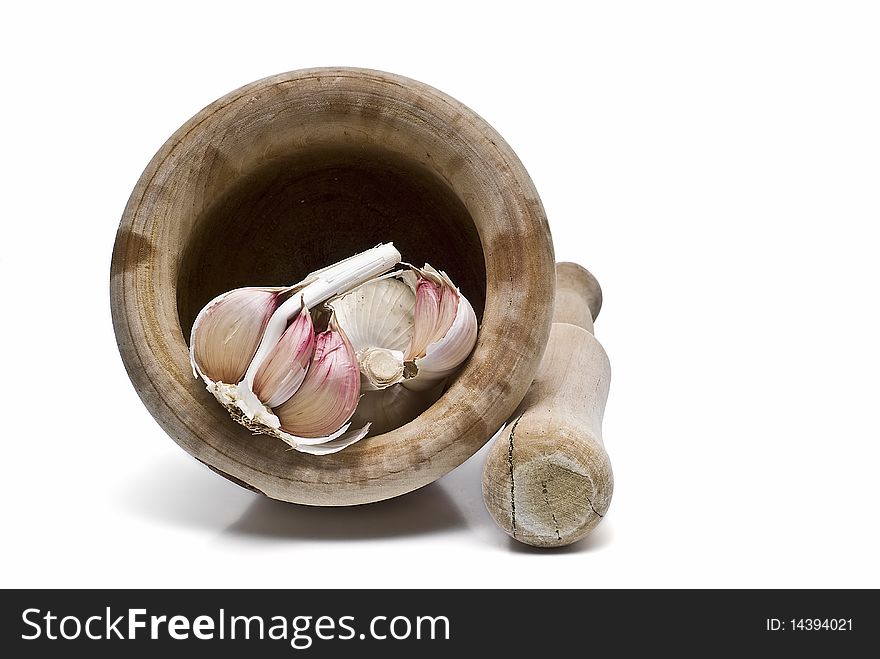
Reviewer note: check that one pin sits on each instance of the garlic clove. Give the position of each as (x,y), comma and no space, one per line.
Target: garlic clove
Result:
(450,341)
(445,356)
(377,314)
(227,332)
(377,318)
(329,394)
(435,308)
(285,367)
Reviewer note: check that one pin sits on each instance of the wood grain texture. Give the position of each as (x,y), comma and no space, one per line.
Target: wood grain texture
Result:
(547,480)
(291,173)
(578,296)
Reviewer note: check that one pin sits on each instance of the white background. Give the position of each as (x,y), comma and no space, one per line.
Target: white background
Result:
(716,165)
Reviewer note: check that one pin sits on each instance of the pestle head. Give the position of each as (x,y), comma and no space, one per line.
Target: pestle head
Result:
(578,296)
(547,485)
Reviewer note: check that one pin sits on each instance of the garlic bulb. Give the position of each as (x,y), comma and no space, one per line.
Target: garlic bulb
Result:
(393,336)
(411,330)
(256,351)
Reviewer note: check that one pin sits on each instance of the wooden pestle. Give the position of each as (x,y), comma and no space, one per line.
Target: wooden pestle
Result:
(547,481)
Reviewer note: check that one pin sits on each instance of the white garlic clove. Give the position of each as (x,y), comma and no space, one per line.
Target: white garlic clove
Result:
(329,394)
(377,317)
(227,332)
(285,367)
(446,356)
(377,314)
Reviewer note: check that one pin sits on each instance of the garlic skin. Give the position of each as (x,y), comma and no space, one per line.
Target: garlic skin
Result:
(271,330)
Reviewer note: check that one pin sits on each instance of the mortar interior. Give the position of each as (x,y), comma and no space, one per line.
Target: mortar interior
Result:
(292,215)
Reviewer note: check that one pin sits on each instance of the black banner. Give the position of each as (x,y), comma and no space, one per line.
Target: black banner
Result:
(286,623)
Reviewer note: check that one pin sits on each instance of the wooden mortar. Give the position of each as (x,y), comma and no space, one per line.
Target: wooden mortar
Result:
(292,173)
(547,481)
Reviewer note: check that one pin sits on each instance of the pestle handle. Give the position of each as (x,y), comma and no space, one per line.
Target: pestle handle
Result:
(547,481)
(578,296)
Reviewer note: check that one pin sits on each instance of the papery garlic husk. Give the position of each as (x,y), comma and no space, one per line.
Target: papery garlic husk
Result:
(269,328)
(411,329)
